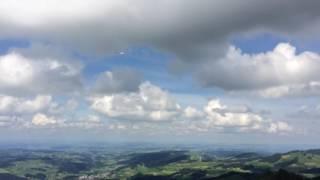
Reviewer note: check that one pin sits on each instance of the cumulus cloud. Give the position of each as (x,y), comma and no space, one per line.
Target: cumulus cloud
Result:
(15,70)
(149,103)
(218,115)
(43,120)
(22,73)
(37,111)
(276,73)
(152,104)
(279,127)
(23,113)
(119,80)
(12,105)
(192,113)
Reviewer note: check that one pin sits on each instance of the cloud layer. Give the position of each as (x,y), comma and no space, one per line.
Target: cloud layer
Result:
(190,30)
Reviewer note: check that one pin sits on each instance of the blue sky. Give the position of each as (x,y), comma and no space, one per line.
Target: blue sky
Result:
(129,71)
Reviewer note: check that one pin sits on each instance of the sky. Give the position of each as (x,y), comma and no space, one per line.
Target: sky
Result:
(230,72)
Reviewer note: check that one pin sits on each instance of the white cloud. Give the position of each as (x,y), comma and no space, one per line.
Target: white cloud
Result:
(15,70)
(40,110)
(219,115)
(11,105)
(279,127)
(311,88)
(43,120)
(150,103)
(280,72)
(23,72)
(226,118)
(193,113)
(22,112)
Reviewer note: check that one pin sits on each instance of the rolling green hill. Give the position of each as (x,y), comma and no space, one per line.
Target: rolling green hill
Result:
(145,164)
